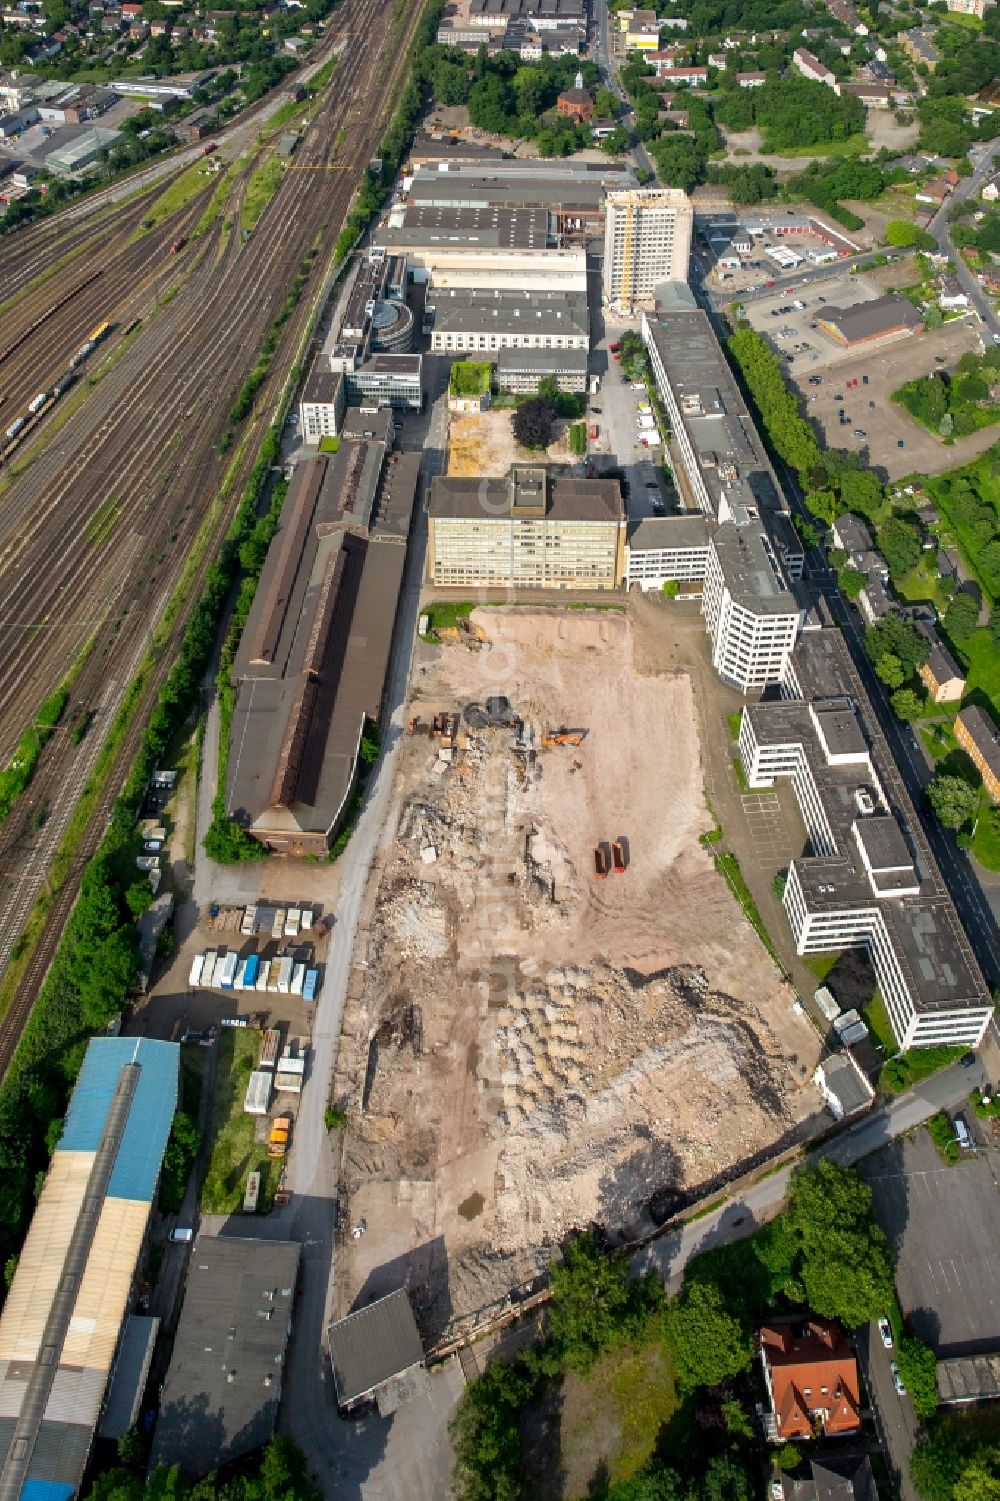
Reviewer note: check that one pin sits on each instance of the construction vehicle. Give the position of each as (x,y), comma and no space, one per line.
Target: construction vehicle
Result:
(619,855)
(412,726)
(602,860)
(563,736)
(277,1141)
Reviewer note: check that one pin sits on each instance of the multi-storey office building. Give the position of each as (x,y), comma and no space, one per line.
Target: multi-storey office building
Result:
(647,240)
(534,529)
(870,880)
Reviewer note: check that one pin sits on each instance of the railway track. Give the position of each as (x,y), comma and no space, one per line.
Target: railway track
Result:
(151,430)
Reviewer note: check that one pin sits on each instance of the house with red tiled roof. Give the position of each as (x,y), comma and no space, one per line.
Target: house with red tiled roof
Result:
(811,1375)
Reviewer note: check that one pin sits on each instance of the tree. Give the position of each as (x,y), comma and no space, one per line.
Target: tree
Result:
(707,1343)
(605,104)
(652,1484)
(953,799)
(680,161)
(670,589)
(725,1480)
(961,617)
(889,670)
(534,423)
(616,142)
(901,233)
(851,581)
(860,491)
(139,897)
(899,543)
(980,1480)
(590,1295)
(907,705)
(918,1370)
(843,1264)
(902,639)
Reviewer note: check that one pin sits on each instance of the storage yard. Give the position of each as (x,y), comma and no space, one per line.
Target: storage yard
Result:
(531,1044)
(484,443)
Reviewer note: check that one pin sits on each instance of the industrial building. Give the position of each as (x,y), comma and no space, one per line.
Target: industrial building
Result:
(223,1388)
(869,880)
(863,323)
(84,151)
(535,529)
(507,318)
(487,245)
(571,192)
(647,240)
(312,662)
(61,1323)
(753,555)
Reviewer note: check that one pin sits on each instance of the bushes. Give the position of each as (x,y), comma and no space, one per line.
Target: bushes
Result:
(21,768)
(790,435)
(178,1159)
(578,439)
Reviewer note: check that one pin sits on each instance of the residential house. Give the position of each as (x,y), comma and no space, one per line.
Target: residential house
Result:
(951,297)
(874,601)
(811,1376)
(946,563)
(918,45)
(977,734)
(851,535)
(751,80)
(833,1478)
(991,192)
(935,192)
(940,674)
(975,8)
(872,95)
(810,67)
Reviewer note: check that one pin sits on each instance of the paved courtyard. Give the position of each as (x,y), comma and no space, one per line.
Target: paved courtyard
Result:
(944,1224)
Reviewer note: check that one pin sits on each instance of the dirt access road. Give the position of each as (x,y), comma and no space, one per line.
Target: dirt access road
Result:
(532,1049)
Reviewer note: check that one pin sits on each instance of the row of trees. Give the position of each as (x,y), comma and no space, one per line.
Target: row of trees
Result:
(825,1255)
(278,1475)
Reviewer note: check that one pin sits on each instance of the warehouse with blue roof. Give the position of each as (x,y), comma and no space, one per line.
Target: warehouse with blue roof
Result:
(61,1323)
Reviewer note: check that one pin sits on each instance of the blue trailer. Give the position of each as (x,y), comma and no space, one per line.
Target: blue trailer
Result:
(250,977)
(310,985)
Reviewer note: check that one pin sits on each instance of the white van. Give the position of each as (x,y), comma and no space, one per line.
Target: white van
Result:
(184,1237)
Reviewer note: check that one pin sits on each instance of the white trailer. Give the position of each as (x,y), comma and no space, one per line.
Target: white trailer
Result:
(197,967)
(284,975)
(258,1096)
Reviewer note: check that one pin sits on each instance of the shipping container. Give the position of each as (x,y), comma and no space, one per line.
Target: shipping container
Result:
(252,1193)
(298,978)
(261,981)
(197,967)
(258,1096)
(273,971)
(270,1048)
(253,968)
(15,427)
(209,969)
(310,985)
(292,922)
(241,973)
(249,919)
(305,919)
(229,971)
(36,404)
(284,975)
(219,971)
(278,926)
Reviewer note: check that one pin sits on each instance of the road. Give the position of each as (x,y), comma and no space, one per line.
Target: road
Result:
(940,228)
(895,1419)
(745,1213)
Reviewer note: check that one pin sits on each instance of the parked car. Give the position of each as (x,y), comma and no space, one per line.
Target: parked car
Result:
(897,1379)
(885,1330)
(859,432)
(968,1060)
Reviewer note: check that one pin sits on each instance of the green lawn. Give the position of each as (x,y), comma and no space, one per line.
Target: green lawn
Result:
(922,582)
(329,445)
(234,1153)
(984,668)
(820,965)
(938,739)
(261,188)
(630,1393)
(986,844)
(178,194)
(855,145)
(445,617)
(470,378)
(877,1021)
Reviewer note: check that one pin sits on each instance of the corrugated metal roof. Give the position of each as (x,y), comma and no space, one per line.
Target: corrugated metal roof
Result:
(129,1376)
(372,1345)
(138,1162)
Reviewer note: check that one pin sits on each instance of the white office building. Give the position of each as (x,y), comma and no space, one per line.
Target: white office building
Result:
(869,880)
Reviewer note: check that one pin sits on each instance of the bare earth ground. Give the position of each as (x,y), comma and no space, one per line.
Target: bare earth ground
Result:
(534,1049)
(484,444)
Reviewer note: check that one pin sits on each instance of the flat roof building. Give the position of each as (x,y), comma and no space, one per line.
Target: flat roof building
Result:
(870,880)
(505,318)
(313,657)
(222,1392)
(61,1323)
(661,549)
(520,370)
(647,240)
(84,151)
(754,554)
(534,529)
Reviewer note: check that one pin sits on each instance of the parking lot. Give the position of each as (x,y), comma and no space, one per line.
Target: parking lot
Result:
(944,1224)
(615,411)
(874,426)
(785,318)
